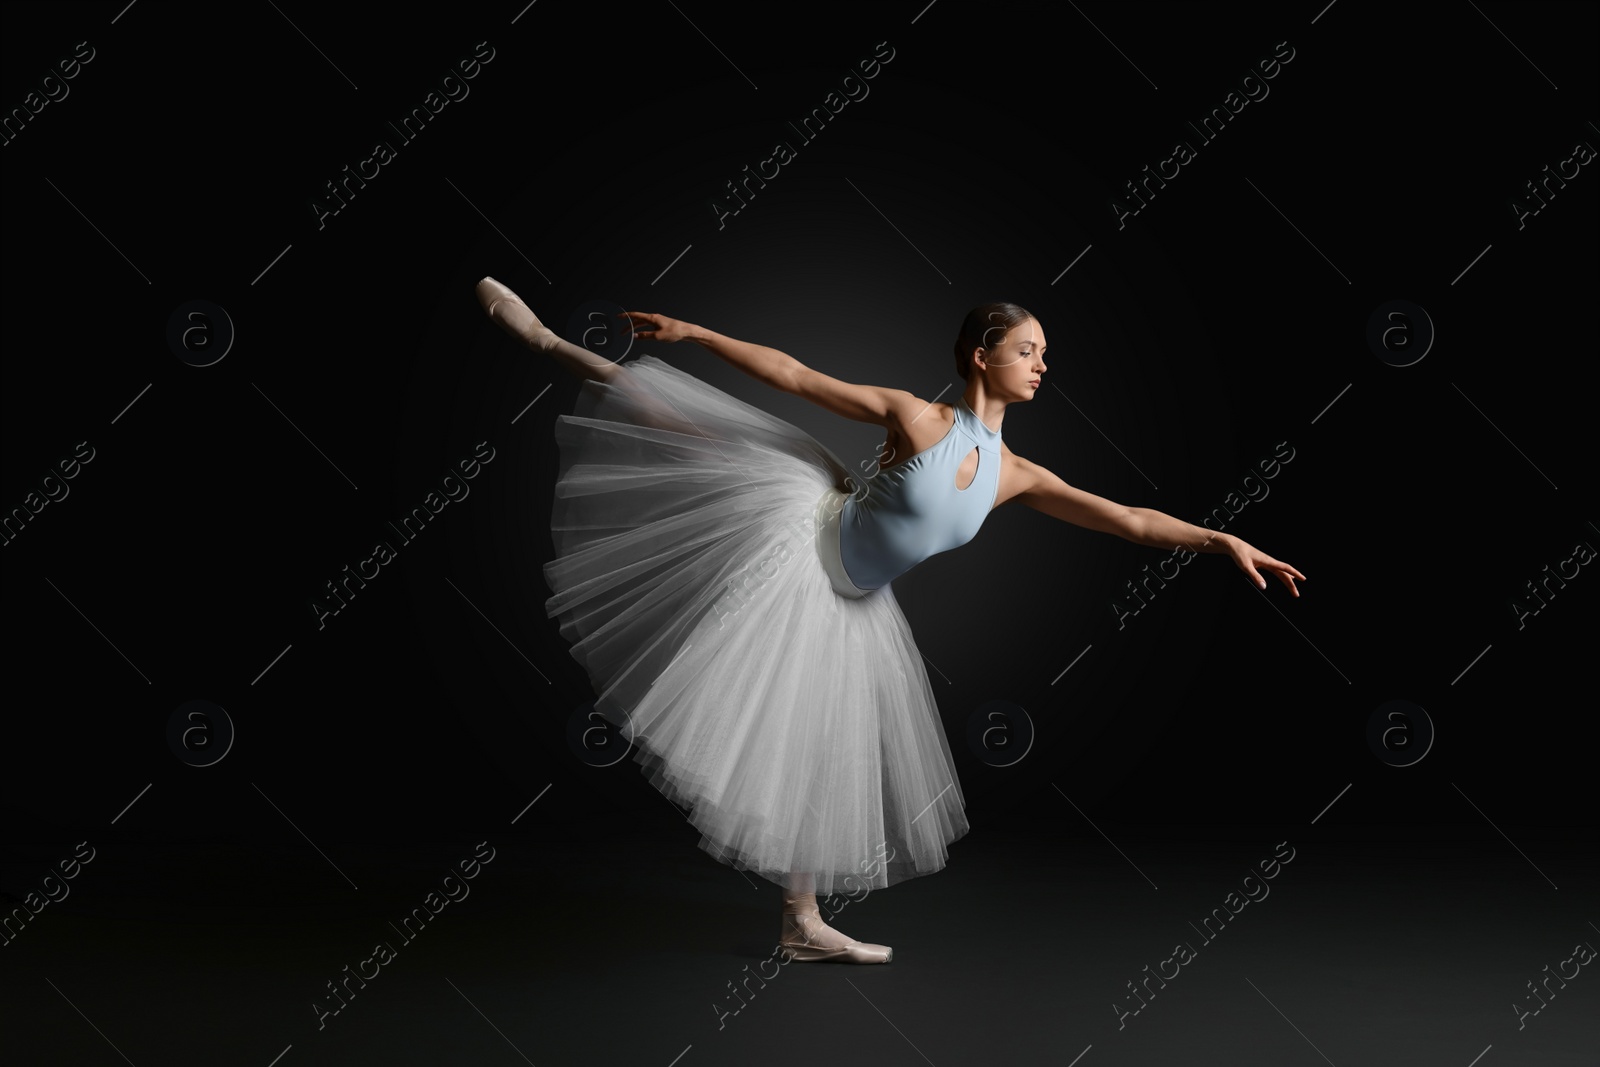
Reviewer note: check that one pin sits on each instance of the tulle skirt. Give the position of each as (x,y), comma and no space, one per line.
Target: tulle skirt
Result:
(796,725)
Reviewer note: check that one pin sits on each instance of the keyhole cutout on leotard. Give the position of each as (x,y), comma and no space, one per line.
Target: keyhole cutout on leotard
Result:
(968,471)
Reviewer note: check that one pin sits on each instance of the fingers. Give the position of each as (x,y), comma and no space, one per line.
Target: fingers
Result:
(1245,560)
(1287,574)
(1278,564)
(642,318)
(1246,564)
(1286,569)
(1248,557)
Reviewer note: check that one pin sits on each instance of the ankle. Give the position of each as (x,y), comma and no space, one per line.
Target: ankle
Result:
(518,319)
(801,904)
(543,339)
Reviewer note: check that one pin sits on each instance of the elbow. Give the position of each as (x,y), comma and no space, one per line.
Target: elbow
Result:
(789,376)
(1132,525)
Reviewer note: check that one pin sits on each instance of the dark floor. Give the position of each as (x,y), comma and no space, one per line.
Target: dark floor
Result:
(625,949)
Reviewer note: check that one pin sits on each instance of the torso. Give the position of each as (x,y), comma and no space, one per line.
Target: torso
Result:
(925,429)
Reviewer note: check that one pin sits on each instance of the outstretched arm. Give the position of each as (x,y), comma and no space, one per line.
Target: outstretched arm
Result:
(864,403)
(1044,491)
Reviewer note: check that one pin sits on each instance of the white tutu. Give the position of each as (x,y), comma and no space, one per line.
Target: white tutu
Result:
(796,725)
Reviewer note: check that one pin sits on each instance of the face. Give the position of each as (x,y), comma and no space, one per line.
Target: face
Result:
(1016,365)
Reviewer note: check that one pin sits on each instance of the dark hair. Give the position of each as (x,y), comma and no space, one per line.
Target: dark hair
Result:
(978,330)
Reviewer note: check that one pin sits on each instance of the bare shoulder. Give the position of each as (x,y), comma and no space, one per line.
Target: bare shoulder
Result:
(914,411)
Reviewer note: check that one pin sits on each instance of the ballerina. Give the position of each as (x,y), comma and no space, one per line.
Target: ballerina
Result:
(725,582)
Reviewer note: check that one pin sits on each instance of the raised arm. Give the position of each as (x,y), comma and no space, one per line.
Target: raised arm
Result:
(1044,491)
(863,403)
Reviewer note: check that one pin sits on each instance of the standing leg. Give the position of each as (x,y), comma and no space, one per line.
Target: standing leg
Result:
(806,937)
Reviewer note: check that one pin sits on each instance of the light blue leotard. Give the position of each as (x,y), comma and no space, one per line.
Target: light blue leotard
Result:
(911,510)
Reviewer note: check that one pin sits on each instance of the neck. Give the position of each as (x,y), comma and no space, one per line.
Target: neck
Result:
(990,410)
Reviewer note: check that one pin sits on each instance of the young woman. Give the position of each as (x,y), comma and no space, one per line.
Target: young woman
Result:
(725,583)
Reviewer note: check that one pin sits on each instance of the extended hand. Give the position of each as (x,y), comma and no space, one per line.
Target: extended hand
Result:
(656,327)
(1248,557)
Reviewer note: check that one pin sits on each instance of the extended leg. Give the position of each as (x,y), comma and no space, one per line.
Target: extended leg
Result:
(516,318)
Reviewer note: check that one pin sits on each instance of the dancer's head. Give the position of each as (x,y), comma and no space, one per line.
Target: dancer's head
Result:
(1004,344)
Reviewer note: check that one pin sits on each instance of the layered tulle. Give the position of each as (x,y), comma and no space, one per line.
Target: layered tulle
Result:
(797,726)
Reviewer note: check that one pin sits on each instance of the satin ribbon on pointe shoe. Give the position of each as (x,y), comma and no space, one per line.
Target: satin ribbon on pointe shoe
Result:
(796,946)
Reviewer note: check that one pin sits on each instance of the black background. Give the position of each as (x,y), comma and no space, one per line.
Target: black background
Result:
(1228,316)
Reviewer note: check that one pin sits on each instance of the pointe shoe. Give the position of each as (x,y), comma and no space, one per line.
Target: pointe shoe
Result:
(796,945)
(515,317)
